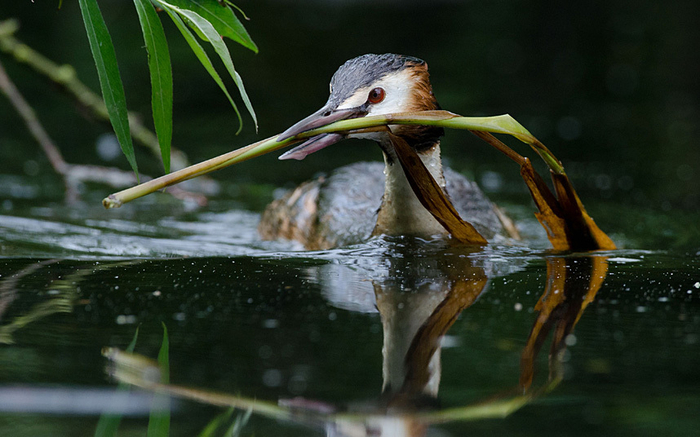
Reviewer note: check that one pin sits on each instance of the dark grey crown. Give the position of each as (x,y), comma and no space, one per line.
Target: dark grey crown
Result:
(362,71)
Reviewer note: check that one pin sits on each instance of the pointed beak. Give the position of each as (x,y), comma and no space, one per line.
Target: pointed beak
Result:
(320,118)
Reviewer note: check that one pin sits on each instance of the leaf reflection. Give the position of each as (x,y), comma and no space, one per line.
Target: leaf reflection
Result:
(64,292)
(9,287)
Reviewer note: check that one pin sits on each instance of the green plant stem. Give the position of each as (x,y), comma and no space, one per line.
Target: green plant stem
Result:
(502,124)
(251,151)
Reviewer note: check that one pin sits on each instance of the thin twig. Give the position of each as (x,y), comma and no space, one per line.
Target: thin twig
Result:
(30,119)
(72,174)
(66,77)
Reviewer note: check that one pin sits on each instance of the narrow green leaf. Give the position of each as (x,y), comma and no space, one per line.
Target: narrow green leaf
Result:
(202,56)
(220,47)
(108,71)
(215,423)
(221,17)
(164,358)
(206,28)
(161,76)
(159,420)
(108,424)
(132,345)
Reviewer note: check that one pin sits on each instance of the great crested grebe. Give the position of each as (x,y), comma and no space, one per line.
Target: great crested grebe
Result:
(353,203)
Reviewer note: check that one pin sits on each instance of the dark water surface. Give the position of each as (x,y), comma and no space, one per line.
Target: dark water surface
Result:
(607,342)
(393,334)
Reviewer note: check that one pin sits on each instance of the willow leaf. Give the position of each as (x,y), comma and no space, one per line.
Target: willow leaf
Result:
(216,423)
(201,55)
(207,29)
(221,17)
(161,76)
(108,72)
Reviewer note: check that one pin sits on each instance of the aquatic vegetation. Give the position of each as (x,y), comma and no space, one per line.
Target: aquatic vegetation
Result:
(568,225)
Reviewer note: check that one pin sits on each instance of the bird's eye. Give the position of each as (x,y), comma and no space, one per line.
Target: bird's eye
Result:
(376,95)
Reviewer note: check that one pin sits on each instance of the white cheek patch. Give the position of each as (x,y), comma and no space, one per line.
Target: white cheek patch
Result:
(398,94)
(397,87)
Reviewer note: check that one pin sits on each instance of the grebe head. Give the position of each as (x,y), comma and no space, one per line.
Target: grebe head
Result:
(372,85)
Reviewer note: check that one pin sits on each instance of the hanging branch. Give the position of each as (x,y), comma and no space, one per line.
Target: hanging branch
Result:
(72,174)
(30,119)
(66,77)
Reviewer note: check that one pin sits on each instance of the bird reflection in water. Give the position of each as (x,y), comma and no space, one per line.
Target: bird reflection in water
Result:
(419,298)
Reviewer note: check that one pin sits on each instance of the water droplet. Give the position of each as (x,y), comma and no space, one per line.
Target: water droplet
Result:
(271,323)
(124,319)
(107,147)
(265,352)
(272,378)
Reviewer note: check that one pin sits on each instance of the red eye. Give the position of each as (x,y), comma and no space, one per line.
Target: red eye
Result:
(376,95)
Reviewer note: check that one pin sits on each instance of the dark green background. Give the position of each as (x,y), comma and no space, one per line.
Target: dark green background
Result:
(612,87)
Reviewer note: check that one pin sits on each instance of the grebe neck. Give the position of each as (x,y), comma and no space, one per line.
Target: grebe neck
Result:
(401,213)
